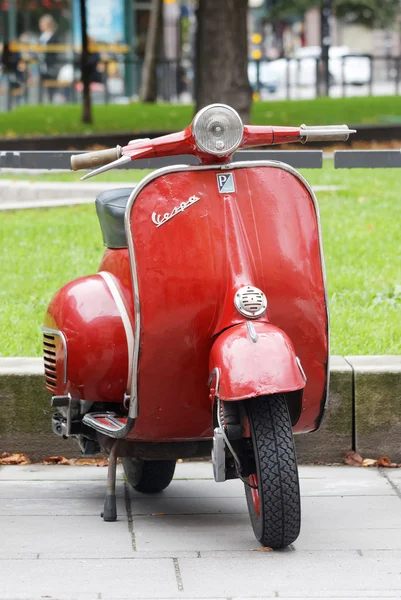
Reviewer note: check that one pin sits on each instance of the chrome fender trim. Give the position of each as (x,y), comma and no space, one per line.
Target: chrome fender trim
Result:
(111,284)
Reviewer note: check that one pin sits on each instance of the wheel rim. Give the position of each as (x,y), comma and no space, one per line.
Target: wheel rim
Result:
(253,480)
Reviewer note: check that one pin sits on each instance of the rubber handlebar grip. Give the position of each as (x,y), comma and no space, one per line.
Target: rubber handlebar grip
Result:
(93,160)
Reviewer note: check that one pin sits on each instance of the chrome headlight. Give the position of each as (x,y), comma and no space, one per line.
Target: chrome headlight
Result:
(217,129)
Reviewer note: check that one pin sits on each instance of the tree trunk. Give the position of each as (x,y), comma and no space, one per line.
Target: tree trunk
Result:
(222,55)
(325,36)
(85,69)
(148,91)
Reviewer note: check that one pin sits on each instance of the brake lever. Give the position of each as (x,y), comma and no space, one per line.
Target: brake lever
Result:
(123,160)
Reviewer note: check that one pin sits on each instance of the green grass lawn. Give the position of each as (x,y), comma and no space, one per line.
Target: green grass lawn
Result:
(135,117)
(43,249)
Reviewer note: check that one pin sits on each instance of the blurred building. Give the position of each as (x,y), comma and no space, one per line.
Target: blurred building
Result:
(117,30)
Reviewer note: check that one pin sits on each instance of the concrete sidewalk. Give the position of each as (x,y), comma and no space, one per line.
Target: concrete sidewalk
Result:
(195,539)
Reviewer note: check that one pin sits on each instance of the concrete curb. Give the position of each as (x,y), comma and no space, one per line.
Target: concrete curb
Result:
(364,411)
(17,195)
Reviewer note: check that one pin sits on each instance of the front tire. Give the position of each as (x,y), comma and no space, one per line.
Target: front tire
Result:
(148,476)
(274,506)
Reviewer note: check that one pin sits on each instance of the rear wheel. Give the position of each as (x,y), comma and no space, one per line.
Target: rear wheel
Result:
(274,498)
(148,476)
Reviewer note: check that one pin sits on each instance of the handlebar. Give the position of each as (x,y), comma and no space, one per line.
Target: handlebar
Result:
(184,142)
(93,160)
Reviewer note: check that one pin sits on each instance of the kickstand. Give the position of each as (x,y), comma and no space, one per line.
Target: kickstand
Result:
(110,504)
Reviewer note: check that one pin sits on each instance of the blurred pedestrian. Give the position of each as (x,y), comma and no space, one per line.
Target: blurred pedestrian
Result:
(15,68)
(95,65)
(50,62)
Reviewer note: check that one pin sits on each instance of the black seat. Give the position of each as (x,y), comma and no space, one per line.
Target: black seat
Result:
(110,207)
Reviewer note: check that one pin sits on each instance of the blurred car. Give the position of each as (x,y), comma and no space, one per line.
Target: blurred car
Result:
(345,66)
(268,81)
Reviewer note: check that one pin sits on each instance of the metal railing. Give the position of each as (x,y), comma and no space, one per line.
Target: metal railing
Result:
(111,81)
(299,159)
(349,75)
(118,80)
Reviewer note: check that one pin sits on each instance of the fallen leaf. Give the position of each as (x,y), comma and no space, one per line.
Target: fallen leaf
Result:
(14,459)
(369,462)
(384,461)
(98,462)
(56,460)
(369,227)
(353,459)
(361,199)
(264,549)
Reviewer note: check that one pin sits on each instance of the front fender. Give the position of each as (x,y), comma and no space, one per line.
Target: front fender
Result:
(254,359)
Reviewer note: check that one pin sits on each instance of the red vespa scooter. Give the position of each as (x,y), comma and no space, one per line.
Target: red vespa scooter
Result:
(206,327)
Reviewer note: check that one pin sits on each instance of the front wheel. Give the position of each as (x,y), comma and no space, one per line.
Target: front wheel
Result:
(274,498)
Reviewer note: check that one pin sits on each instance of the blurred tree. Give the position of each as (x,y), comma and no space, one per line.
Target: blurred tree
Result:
(34,5)
(372,13)
(148,90)
(85,67)
(282,10)
(221,63)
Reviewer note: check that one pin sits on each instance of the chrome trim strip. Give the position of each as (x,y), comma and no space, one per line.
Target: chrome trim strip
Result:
(214,374)
(252,331)
(301,369)
(109,280)
(118,431)
(64,342)
(133,409)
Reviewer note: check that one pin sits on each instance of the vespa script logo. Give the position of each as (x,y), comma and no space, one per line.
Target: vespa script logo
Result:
(160,220)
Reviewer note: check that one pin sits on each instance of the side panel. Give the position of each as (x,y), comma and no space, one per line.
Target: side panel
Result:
(255,363)
(96,342)
(184,277)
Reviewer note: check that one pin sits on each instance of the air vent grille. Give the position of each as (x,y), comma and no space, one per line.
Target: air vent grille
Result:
(49,357)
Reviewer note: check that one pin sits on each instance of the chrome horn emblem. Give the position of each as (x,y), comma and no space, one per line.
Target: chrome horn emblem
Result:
(250,302)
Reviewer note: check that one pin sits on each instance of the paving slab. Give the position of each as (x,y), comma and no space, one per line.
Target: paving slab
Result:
(308,574)
(195,540)
(65,535)
(57,506)
(55,472)
(48,490)
(194,532)
(344,481)
(87,579)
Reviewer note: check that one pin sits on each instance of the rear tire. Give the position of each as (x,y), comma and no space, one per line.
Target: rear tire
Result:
(149,476)
(274,507)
